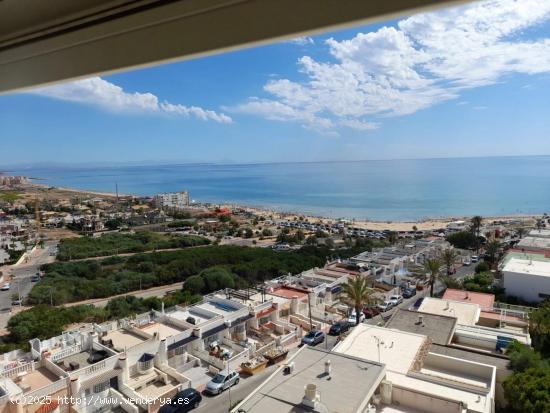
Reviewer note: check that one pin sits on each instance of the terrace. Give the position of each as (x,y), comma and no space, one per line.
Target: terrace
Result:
(163,329)
(122,339)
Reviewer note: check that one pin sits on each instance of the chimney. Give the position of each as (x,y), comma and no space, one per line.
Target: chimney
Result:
(311,397)
(447,306)
(421,320)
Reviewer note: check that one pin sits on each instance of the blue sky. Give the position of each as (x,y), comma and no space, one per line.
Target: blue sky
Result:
(468,81)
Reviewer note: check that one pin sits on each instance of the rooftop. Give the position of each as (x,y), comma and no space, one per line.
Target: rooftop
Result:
(534,243)
(539,268)
(540,233)
(465,313)
(484,300)
(220,306)
(164,330)
(348,388)
(36,379)
(183,314)
(439,328)
(286,292)
(123,339)
(397,349)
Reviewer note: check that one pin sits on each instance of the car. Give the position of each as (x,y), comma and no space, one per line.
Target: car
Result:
(339,328)
(409,292)
(474,258)
(5,287)
(35,278)
(183,401)
(385,306)
(17,302)
(353,317)
(222,381)
(396,299)
(313,337)
(371,312)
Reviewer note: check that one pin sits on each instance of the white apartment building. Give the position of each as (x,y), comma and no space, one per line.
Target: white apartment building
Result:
(528,279)
(177,200)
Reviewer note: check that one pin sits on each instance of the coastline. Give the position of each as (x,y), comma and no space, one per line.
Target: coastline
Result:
(424,224)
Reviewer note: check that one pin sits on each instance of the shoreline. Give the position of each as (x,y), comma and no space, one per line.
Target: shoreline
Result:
(423,224)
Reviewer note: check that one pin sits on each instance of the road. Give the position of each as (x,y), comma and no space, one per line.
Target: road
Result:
(21,278)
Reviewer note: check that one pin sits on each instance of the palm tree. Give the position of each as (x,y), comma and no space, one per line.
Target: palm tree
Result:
(492,250)
(521,231)
(448,256)
(432,266)
(476,224)
(359,294)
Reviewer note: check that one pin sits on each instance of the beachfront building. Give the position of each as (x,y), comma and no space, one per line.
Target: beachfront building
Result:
(175,200)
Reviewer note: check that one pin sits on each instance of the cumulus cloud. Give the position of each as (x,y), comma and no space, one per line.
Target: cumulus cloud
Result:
(424,60)
(108,96)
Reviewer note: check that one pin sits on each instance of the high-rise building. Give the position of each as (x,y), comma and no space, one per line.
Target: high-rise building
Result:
(177,200)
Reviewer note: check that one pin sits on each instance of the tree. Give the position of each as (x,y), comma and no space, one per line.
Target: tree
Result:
(415,228)
(539,326)
(448,256)
(476,224)
(521,231)
(194,284)
(522,357)
(482,267)
(392,237)
(492,249)
(358,294)
(432,266)
(529,391)
(463,240)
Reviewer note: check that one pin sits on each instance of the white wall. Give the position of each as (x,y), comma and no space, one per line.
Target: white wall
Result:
(526,286)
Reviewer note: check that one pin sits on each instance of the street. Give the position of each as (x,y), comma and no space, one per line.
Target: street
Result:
(21,275)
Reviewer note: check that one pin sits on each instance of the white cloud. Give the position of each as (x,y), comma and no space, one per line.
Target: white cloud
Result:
(302,41)
(108,96)
(425,60)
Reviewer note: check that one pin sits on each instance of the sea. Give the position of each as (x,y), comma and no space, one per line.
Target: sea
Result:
(385,190)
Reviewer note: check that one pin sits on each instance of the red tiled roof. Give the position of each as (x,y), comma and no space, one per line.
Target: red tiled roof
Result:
(484,300)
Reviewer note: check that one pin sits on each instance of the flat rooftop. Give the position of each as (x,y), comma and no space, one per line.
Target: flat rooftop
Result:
(540,233)
(484,300)
(534,243)
(349,386)
(439,328)
(528,267)
(164,330)
(36,379)
(220,308)
(398,349)
(526,255)
(465,313)
(183,315)
(286,292)
(123,339)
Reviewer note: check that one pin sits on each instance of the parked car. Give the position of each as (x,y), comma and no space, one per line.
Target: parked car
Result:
(474,258)
(35,278)
(182,402)
(385,306)
(313,337)
(5,287)
(340,327)
(409,292)
(353,317)
(17,302)
(222,381)
(371,312)
(396,299)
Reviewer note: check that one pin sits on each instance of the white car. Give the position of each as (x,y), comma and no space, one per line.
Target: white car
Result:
(475,258)
(5,287)
(385,306)
(396,299)
(353,317)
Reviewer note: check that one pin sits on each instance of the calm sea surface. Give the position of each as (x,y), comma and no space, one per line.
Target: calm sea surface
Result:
(378,190)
